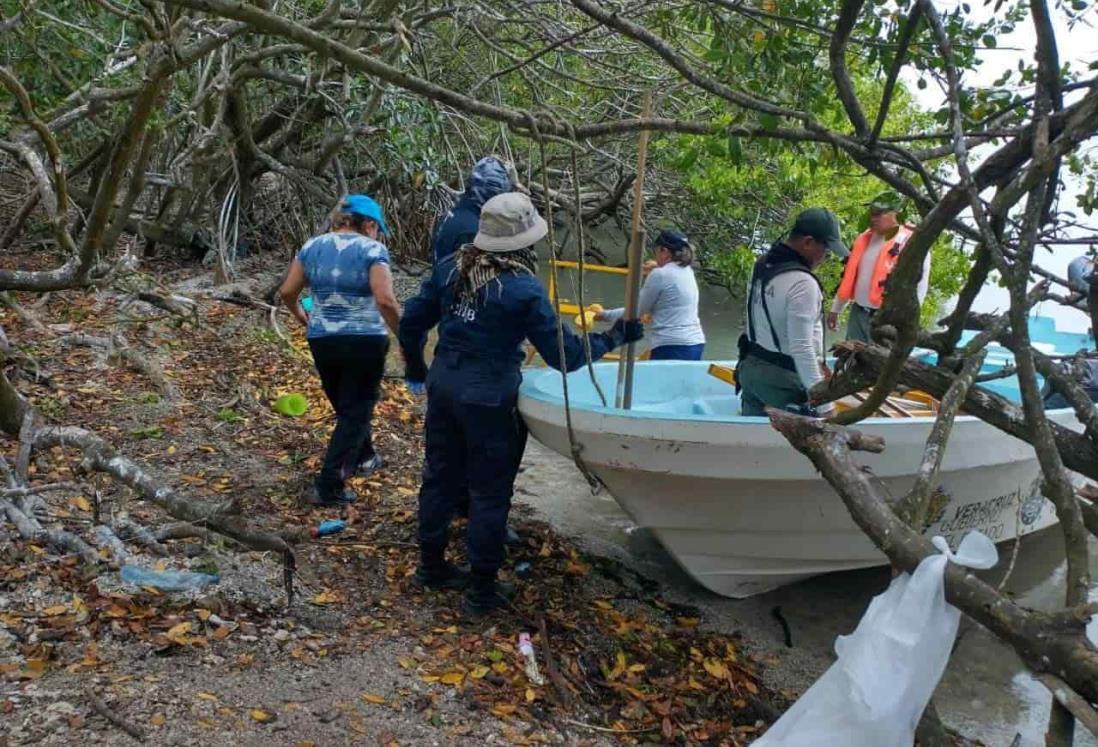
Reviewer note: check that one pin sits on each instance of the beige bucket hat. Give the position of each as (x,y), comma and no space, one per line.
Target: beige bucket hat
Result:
(509,222)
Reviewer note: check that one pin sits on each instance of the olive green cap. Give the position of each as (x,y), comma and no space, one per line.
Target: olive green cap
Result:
(886,202)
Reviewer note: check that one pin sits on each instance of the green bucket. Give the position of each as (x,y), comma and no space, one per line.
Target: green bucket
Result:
(293,404)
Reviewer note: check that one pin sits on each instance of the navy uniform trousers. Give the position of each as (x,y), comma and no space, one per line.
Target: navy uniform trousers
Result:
(475,441)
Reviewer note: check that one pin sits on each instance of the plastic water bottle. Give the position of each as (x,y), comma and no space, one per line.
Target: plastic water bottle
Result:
(526,648)
(167,580)
(327,527)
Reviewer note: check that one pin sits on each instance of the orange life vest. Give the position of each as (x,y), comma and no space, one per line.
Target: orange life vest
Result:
(886,260)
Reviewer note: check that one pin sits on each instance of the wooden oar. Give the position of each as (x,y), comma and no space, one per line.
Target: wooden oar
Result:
(624,395)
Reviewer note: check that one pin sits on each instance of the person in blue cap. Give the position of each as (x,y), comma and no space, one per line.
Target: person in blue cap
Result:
(490,177)
(670,298)
(486,299)
(353,302)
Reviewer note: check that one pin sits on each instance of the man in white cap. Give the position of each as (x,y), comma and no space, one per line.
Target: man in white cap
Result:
(486,299)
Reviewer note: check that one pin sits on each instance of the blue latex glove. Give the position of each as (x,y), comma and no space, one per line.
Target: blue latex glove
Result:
(416,387)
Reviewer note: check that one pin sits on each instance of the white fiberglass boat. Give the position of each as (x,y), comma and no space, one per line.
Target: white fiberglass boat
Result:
(743,512)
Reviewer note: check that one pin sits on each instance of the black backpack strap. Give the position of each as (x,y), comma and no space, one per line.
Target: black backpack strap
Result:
(751,298)
(766,310)
(761,276)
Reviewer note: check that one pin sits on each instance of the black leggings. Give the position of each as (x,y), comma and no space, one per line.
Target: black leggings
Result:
(350,368)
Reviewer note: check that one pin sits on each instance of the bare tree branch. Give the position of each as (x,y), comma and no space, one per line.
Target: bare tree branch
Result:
(912,507)
(829,448)
(911,26)
(848,16)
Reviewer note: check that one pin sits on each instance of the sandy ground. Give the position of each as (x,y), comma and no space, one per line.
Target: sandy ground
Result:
(551,485)
(985,694)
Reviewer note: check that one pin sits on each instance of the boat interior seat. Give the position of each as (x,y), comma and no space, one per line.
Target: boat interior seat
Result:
(712,405)
(702,407)
(723,405)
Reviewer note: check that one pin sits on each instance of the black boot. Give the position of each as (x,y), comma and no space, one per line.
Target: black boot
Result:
(434,572)
(485,595)
(442,576)
(330,498)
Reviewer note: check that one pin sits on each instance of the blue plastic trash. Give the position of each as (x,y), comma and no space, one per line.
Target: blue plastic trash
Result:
(327,527)
(307,303)
(167,580)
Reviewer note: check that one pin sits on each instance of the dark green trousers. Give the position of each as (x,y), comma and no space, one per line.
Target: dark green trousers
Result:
(764,384)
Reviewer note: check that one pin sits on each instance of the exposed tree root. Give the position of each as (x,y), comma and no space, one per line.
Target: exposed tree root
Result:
(100,456)
(29,528)
(117,350)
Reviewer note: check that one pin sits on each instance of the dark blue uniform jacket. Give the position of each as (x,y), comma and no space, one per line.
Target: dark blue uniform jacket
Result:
(485,338)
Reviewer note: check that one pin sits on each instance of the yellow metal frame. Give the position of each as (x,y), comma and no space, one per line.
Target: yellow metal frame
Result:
(566,307)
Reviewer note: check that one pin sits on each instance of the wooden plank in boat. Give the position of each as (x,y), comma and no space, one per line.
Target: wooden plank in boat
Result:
(724,373)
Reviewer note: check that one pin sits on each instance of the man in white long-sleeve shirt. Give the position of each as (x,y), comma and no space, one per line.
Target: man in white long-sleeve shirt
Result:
(872,257)
(781,351)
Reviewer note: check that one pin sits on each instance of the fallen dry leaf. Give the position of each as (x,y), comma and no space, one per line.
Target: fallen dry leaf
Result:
(371,698)
(263,717)
(716,668)
(34,668)
(178,630)
(325,597)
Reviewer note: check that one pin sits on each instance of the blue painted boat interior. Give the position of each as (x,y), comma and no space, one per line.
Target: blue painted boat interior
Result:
(683,390)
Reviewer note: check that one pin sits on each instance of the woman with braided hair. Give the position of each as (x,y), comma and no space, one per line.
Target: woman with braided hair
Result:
(486,299)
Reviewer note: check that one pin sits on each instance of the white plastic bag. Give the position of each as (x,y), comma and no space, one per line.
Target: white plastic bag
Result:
(874,695)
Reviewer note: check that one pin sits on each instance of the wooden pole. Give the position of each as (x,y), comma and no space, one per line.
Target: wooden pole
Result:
(624,395)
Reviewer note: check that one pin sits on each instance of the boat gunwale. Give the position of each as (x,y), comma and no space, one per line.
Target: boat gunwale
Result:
(529,391)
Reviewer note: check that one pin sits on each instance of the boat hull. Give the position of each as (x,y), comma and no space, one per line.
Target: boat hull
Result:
(740,510)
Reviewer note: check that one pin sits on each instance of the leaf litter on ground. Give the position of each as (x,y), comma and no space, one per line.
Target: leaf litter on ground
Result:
(626,663)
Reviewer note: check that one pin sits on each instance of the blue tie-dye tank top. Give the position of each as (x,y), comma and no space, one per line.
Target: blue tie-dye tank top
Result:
(337,266)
